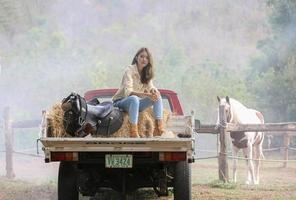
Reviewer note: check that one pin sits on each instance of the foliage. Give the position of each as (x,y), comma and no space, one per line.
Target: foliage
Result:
(99,75)
(273,79)
(64,46)
(12,17)
(170,64)
(207,81)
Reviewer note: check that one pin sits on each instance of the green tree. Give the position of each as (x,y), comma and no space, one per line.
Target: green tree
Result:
(272,79)
(204,82)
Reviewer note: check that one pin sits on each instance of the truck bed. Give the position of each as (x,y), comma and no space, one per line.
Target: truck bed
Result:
(176,125)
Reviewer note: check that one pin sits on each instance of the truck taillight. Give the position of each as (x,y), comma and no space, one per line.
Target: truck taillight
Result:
(64,156)
(172,156)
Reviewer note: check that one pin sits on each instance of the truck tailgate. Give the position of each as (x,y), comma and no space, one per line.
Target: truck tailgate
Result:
(117,144)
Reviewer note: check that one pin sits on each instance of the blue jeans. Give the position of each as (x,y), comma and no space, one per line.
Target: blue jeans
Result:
(134,104)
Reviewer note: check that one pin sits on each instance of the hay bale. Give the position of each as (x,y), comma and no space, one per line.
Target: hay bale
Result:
(146,124)
(55,121)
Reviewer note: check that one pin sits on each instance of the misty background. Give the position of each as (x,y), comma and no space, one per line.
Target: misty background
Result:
(201,49)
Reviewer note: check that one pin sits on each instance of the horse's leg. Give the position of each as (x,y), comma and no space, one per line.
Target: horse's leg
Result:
(259,155)
(250,167)
(235,160)
(256,164)
(245,153)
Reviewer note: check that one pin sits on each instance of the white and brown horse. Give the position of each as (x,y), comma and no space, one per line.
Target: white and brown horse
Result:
(249,142)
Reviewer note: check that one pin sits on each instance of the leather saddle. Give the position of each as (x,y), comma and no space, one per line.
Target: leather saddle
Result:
(99,111)
(82,118)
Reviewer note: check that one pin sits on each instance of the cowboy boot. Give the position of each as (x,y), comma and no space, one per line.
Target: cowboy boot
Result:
(134,131)
(159,127)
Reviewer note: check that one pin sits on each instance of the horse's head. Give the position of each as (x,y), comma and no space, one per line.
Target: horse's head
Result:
(228,110)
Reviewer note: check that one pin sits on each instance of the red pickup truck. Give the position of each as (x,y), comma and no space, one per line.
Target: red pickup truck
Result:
(89,165)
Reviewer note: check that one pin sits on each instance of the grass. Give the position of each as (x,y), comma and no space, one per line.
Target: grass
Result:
(276,183)
(222,185)
(19,190)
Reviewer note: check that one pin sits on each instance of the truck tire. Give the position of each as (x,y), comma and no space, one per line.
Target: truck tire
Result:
(67,181)
(182,181)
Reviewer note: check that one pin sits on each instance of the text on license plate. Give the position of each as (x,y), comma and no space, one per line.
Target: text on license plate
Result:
(118,161)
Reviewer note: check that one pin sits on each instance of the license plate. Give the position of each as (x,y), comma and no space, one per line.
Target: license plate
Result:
(118,161)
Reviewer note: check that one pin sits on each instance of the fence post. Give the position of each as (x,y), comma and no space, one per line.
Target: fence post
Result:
(8,144)
(269,137)
(223,163)
(286,148)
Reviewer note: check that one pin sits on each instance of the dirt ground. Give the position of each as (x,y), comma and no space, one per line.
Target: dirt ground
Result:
(36,180)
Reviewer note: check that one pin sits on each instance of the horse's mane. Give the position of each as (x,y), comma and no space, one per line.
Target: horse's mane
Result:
(242,114)
(237,105)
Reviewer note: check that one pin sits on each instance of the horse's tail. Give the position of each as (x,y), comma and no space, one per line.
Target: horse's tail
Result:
(260,116)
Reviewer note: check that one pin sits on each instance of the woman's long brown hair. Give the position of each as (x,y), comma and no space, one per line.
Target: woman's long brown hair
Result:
(148,71)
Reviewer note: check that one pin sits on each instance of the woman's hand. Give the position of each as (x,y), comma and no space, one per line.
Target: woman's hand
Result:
(153,94)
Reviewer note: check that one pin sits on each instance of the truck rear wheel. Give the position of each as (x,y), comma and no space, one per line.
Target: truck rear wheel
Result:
(67,181)
(182,181)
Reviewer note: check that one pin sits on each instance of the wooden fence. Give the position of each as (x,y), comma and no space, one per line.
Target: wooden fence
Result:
(285,129)
(8,128)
